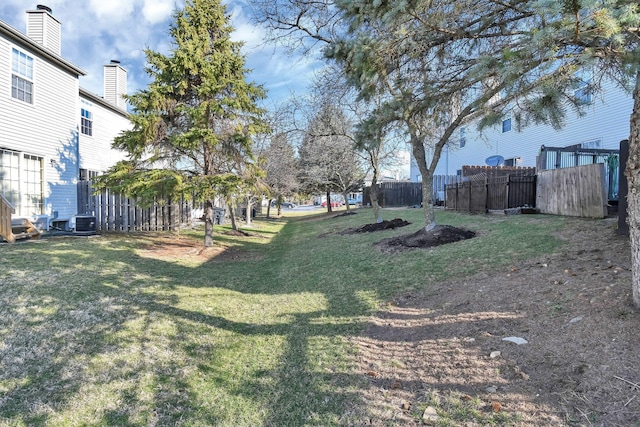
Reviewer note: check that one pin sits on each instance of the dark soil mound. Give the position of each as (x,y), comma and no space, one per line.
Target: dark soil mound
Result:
(378,226)
(440,235)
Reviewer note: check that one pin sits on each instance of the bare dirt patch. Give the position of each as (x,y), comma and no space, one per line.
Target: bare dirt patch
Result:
(580,366)
(176,247)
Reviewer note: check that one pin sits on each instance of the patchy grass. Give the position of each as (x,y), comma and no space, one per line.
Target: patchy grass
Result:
(115,330)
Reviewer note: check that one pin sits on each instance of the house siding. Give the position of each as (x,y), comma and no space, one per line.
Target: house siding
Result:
(606,120)
(96,153)
(48,128)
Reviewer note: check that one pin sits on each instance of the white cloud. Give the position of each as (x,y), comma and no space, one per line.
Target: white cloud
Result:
(245,31)
(97,31)
(112,10)
(156,11)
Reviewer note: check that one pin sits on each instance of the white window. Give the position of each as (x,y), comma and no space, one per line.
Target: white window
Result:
(584,93)
(506,124)
(21,76)
(86,121)
(10,176)
(22,181)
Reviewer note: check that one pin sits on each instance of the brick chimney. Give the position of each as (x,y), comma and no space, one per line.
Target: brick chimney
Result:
(115,84)
(43,28)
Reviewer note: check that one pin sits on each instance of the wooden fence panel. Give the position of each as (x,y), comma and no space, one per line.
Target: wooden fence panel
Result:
(522,191)
(481,194)
(579,191)
(451,197)
(464,197)
(477,197)
(408,193)
(117,213)
(498,193)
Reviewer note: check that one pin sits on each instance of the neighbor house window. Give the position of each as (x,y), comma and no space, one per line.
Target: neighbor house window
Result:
(584,93)
(22,181)
(86,122)
(506,124)
(22,76)
(463,136)
(596,143)
(87,174)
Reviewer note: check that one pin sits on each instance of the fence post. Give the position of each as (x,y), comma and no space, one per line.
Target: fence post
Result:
(508,191)
(486,193)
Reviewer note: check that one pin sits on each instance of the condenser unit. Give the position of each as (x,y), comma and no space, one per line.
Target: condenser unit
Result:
(85,225)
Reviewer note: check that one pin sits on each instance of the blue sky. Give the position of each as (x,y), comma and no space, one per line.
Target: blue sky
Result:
(97,31)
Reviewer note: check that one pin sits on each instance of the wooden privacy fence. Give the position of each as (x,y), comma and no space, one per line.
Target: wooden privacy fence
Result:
(114,212)
(579,191)
(481,194)
(568,157)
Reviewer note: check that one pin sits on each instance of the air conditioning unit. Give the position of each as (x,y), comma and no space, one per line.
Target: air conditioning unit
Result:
(85,225)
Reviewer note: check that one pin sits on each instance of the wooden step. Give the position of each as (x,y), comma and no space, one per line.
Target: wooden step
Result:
(22,228)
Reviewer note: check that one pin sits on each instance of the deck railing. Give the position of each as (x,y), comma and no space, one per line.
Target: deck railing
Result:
(6,210)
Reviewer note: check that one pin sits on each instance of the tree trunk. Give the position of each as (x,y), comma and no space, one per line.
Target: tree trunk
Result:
(232,215)
(633,197)
(346,199)
(249,209)
(269,208)
(373,197)
(208,223)
(427,183)
(329,201)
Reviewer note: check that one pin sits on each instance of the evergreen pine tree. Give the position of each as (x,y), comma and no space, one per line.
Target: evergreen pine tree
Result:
(194,122)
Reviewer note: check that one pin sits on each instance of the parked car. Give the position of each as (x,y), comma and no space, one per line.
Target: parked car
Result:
(334,204)
(287,205)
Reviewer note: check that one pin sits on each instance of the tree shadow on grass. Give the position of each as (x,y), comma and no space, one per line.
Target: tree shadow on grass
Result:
(125,330)
(99,331)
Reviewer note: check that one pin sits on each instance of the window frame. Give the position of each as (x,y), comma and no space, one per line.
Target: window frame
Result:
(583,94)
(507,121)
(86,121)
(22,76)
(28,188)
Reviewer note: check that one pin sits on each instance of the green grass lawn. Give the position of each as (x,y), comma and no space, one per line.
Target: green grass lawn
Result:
(93,333)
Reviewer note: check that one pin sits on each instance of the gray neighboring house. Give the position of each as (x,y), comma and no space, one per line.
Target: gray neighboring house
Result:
(53,133)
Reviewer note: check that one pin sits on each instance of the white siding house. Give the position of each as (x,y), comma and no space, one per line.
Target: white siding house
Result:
(42,146)
(604,125)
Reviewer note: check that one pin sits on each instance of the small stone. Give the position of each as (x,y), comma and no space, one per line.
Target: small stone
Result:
(406,406)
(516,340)
(491,389)
(430,415)
(576,319)
(495,354)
